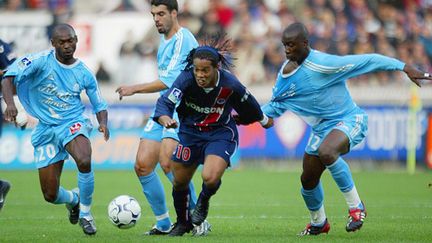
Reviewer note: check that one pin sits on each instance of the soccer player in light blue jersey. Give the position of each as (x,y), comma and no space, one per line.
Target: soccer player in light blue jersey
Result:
(49,85)
(157,143)
(312,84)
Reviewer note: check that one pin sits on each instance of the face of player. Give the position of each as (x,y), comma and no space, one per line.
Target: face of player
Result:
(296,48)
(64,42)
(163,18)
(205,73)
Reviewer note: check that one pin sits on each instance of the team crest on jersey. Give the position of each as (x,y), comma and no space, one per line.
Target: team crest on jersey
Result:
(220,101)
(75,128)
(175,95)
(76,87)
(1,49)
(25,62)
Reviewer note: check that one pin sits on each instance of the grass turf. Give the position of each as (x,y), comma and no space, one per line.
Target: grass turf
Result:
(251,206)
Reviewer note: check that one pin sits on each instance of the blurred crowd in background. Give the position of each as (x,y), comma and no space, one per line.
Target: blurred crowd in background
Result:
(396,28)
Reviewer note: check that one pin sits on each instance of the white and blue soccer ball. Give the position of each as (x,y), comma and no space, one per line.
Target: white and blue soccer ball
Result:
(124,211)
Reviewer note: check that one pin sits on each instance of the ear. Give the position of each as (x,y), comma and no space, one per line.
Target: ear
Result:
(174,13)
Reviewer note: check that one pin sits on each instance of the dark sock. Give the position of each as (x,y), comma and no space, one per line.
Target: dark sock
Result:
(181,204)
(206,192)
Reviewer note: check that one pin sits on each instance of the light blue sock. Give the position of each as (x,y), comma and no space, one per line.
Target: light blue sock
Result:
(313,198)
(65,197)
(155,194)
(192,193)
(86,188)
(342,175)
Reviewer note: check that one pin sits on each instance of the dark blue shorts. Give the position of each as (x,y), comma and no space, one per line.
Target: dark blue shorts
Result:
(195,145)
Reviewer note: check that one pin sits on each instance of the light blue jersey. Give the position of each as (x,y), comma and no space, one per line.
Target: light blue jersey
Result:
(50,90)
(317,92)
(171,55)
(170,58)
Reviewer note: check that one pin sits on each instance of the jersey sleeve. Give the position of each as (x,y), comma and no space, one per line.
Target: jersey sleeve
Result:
(273,109)
(182,47)
(167,102)
(23,68)
(354,65)
(245,104)
(94,94)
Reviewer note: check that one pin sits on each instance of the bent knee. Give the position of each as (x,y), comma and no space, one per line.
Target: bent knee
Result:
(211,180)
(142,169)
(327,155)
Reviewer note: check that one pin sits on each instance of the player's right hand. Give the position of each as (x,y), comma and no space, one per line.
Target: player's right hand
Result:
(125,91)
(167,122)
(269,124)
(11,113)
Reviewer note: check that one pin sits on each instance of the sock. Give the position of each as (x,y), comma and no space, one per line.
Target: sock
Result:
(314,202)
(342,175)
(155,194)
(206,192)
(86,188)
(66,197)
(181,205)
(192,194)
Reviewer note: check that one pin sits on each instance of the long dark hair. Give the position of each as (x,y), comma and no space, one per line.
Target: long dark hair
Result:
(217,50)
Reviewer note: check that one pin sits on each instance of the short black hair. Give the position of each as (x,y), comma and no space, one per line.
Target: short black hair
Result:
(60,27)
(170,4)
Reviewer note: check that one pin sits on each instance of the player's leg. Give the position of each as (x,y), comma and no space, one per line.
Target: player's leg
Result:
(4,189)
(313,195)
(335,144)
(146,161)
(168,146)
(183,173)
(80,150)
(213,169)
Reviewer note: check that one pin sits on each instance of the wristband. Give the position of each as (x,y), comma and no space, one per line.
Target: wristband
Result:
(265,120)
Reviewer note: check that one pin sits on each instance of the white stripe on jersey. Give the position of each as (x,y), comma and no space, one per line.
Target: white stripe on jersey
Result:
(326,69)
(177,48)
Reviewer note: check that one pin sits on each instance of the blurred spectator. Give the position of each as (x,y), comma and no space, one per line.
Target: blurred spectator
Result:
(102,74)
(402,29)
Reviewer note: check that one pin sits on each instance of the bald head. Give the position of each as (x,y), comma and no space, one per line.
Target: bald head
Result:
(297,31)
(64,41)
(296,43)
(62,29)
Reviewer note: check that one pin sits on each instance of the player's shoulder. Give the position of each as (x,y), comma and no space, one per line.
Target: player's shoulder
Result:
(184,34)
(186,76)
(228,79)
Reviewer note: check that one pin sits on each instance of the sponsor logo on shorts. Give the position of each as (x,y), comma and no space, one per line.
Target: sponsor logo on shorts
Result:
(75,128)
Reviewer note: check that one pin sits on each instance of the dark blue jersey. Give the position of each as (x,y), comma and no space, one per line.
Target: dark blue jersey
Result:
(207,110)
(7,57)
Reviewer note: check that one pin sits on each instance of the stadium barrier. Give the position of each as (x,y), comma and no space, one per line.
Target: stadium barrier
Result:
(386,140)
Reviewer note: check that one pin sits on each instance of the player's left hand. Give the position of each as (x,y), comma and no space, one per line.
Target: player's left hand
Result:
(416,75)
(104,129)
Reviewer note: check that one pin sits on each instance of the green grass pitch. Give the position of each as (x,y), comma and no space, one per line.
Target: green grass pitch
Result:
(252,206)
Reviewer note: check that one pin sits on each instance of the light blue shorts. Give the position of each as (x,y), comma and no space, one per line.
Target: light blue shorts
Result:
(154,131)
(49,141)
(354,126)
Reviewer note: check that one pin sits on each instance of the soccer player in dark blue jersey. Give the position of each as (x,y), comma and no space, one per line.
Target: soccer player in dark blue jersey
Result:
(205,95)
(7,57)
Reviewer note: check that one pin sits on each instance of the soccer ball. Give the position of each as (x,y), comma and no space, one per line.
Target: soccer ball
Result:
(124,211)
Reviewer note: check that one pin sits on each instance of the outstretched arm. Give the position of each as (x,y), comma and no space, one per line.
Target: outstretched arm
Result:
(152,87)
(416,75)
